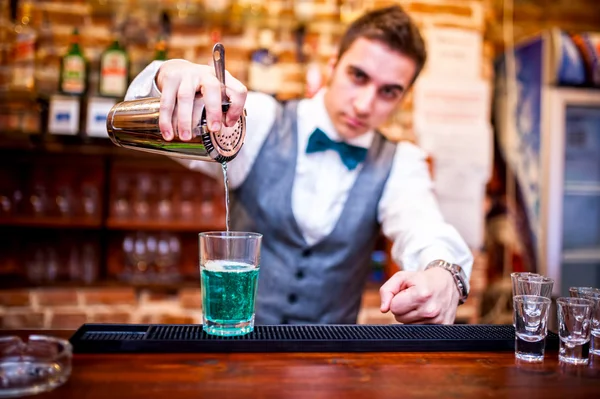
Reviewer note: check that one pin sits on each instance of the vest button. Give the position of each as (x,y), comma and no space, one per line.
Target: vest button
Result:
(292,298)
(306,253)
(300,274)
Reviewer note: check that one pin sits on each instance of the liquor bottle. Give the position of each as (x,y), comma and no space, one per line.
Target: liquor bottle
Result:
(47,60)
(7,41)
(264,72)
(160,49)
(73,71)
(114,71)
(23,70)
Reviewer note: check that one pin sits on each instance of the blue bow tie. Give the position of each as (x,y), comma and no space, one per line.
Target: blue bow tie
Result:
(351,155)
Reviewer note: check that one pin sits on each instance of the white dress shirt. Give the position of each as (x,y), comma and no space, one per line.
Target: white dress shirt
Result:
(408,210)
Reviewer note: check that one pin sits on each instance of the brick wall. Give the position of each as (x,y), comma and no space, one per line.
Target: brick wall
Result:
(68,308)
(71,307)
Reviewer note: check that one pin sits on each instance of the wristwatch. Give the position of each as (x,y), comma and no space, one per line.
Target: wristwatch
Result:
(460,278)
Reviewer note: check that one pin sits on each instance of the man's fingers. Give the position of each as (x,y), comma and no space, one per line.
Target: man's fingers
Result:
(197,112)
(179,82)
(413,317)
(185,105)
(167,107)
(411,306)
(390,288)
(237,93)
(211,93)
(404,302)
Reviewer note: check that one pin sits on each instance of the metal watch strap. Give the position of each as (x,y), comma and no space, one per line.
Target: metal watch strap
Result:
(458,275)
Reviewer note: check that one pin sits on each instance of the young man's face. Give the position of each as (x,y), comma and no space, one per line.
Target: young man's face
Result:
(366,85)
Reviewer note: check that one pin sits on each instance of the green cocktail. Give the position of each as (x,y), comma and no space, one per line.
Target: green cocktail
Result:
(229,267)
(228,295)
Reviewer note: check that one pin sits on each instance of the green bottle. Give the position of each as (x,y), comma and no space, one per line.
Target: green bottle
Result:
(160,50)
(73,70)
(114,71)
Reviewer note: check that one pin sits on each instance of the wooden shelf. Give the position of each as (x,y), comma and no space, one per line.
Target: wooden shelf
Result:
(582,188)
(582,256)
(155,225)
(51,222)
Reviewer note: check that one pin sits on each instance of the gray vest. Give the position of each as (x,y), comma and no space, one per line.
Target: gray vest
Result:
(299,283)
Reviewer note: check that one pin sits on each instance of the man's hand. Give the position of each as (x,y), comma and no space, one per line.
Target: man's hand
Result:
(423,297)
(179,82)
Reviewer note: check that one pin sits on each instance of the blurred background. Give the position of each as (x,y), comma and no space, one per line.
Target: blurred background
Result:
(508,109)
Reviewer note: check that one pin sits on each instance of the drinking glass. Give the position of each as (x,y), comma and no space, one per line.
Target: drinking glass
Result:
(578,292)
(534,285)
(515,276)
(531,326)
(229,266)
(574,317)
(594,296)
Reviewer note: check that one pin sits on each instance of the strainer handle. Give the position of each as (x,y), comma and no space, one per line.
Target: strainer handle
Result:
(219,61)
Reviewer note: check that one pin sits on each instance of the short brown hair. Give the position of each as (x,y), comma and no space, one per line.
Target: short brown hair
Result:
(393,27)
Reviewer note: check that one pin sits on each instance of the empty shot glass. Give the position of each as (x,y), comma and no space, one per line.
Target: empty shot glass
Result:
(531,326)
(594,296)
(515,276)
(534,285)
(574,319)
(579,292)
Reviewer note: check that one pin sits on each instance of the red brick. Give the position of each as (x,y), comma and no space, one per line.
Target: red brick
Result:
(112,317)
(157,296)
(14,298)
(175,319)
(22,320)
(68,319)
(56,296)
(147,319)
(110,296)
(190,298)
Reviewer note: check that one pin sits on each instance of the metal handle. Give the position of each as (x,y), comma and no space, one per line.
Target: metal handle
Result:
(219,61)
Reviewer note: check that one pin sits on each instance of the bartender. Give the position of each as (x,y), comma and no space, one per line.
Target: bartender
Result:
(320,182)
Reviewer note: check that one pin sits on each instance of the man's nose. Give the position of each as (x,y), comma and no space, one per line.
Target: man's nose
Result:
(363,102)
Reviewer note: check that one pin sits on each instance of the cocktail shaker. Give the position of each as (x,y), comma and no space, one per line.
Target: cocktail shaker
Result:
(134,125)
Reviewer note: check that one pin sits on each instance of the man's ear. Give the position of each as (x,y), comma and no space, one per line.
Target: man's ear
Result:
(331,64)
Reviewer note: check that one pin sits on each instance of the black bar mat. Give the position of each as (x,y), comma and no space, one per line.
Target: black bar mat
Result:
(159,338)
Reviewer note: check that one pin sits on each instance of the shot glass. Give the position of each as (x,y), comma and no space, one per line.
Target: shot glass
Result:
(594,296)
(531,326)
(515,276)
(579,292)
(574,319)
(535,285)
(229,267)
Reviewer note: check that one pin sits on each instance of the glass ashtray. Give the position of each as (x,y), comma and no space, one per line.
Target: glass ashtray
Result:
(38,365)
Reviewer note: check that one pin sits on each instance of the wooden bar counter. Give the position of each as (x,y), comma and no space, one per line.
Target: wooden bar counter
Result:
(321,375)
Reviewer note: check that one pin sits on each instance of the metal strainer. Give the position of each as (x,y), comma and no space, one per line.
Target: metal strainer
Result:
(224,144)
(134,125)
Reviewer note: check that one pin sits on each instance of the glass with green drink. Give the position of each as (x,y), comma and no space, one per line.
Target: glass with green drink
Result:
(229,266)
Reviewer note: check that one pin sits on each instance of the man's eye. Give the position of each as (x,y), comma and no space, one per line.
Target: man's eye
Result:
(358,76)
(390,94)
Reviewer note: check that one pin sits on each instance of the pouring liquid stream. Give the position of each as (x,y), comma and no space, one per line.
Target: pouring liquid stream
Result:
(226,184)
